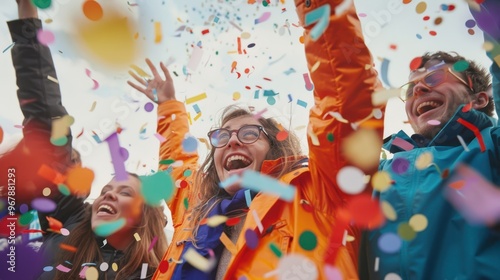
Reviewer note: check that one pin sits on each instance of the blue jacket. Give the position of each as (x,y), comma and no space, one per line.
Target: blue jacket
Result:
(450,247)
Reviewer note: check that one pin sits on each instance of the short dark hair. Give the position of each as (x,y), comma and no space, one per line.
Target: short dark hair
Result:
(477,75)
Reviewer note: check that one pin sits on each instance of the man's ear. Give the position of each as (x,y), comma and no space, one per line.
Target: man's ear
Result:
(480,101)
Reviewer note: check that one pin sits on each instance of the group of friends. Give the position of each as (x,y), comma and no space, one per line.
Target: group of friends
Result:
(319,232)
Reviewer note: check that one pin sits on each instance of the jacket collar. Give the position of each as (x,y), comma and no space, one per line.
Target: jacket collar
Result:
(447,136)
(272,166)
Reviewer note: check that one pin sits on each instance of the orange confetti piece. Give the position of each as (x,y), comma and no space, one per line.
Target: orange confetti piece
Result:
(158,35)
(68,247)
(51,175)
(228,244)
(457,185)
(92,10)
(54,224)
(79,180)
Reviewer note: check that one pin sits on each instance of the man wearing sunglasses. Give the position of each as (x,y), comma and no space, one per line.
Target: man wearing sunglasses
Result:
(439,225)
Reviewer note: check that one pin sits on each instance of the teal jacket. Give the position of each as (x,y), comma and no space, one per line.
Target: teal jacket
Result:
(449,247)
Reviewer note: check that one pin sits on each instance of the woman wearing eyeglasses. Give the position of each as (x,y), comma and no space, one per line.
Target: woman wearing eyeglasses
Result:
(224,230)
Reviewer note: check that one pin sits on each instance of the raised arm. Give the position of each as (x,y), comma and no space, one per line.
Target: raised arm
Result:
(173,126)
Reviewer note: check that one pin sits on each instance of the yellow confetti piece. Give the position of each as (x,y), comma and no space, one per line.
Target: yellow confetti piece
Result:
(350,238)
(189,119)
(388,211)
(139,71)
(312,136)
(418,222)
(362,148)
(196,98)
(158,32)
(216,220)
(381,181)
(380,97)
(46,191)
(137,237)
(50,78)
(60,126)
(91,273)
(197,116)
(198,261)
(423,161)
(93,106)
(114,266)
(315,66)
(228,243)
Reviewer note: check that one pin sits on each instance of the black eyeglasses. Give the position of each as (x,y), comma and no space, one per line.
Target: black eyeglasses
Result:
(247,134)
(433,79)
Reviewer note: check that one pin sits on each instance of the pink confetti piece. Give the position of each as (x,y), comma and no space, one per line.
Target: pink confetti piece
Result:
(307,80)
(160,137)
(63,268)
(265,16)
(153,243)
(403,144)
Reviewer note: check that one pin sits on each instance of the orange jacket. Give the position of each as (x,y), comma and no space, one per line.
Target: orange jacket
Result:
(343,84)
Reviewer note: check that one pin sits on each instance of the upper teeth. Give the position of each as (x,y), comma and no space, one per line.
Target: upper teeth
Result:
(107,207)
(236,157)
(427,103)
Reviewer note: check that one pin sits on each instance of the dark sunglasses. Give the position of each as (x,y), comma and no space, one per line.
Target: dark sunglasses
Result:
(246,134)
(433,79)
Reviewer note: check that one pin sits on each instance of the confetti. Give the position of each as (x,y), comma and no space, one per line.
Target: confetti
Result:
(8,47)
(158,32)
(366,157)
(91,273)
(265,16)
(406,232)
(418,222)
(106,229)
(321,16)
(104,266)
(137,237)
(258,182)
(403,144)
(116,157)
(67,247)
(257,220)
(198,261)
(216,220)
(42,4)
(309,85)
(299,261)
(400,165)
(79,180)
(421,7)
(96,83)
(388,211)
(45,37)
(92,10)
(153,243)
(308,240)
(389,242)
(251,238)
(157,187)
(63,268)
(43,205)
(381,181)
(196,98)
(351,180)
(476,132)
(144,270)
(228,243)
(424,160)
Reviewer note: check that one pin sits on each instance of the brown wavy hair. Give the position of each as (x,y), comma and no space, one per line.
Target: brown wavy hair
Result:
(206,186)
(83,238)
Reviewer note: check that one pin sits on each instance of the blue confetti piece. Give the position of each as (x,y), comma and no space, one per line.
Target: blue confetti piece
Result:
(261,183)
(384,69)
(229,181)
(196,108)
(248,197)
(321,16)
(301,103)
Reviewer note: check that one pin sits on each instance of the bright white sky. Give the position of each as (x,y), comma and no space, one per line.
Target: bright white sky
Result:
(277,55)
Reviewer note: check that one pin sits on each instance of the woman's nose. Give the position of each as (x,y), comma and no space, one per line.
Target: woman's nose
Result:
(233,139)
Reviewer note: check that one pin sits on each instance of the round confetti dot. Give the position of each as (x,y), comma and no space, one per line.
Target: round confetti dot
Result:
(124,153)
(59,141)
(406,232)
(304,268)
(438,20)
(419,36)
(451,7)
(388,211)
(43,204)
(190,144)
(392,276)
(433,122)
(187,172)
(247,70)
(407,1)
(64,231)
(149,107)
(381,181)
(389,243)
(426,18)
(378,114)
(251,45)
(418,222)
(362,15)
(351,180)
(432,33)
(63,189)
(460,66)
(264,3)
(365,211)
(421,7)
(423,161)
(163,266)
(252,239)
(471,31)
(282,135)
(236,96)
(400,165)
(114,266)
(45,37)
(23,208)
(415,63)
(26,218)
(470,23)
(91,273)
(42,4)
(156,188)
(444,7)
(308,240)
(329,137)
(106,229)
(301,39)
(104,266)
(79,180)
(92,10)
(332,273)
(46,191)
(271,100)
(245,35)
(48,268)
(183,184)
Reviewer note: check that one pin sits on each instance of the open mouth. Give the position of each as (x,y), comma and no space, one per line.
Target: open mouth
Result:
(426,106)
(106,209)
(236,162)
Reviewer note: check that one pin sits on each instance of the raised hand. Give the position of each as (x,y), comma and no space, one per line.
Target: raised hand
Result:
(26,9)
(157,88)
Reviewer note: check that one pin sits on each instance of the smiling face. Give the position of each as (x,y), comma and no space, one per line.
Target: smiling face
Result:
(236,157)
(430,108)
(119,199)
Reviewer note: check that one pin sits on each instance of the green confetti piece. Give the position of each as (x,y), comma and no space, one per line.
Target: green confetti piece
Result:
(275,250)
(308,240)
(188,172)
(42,4)
(406,232)
(59,141)
(460,66)
(329,137)
(63,189)
(107,229)
(167,161)
(156,188)
(186,203)
(26,218)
